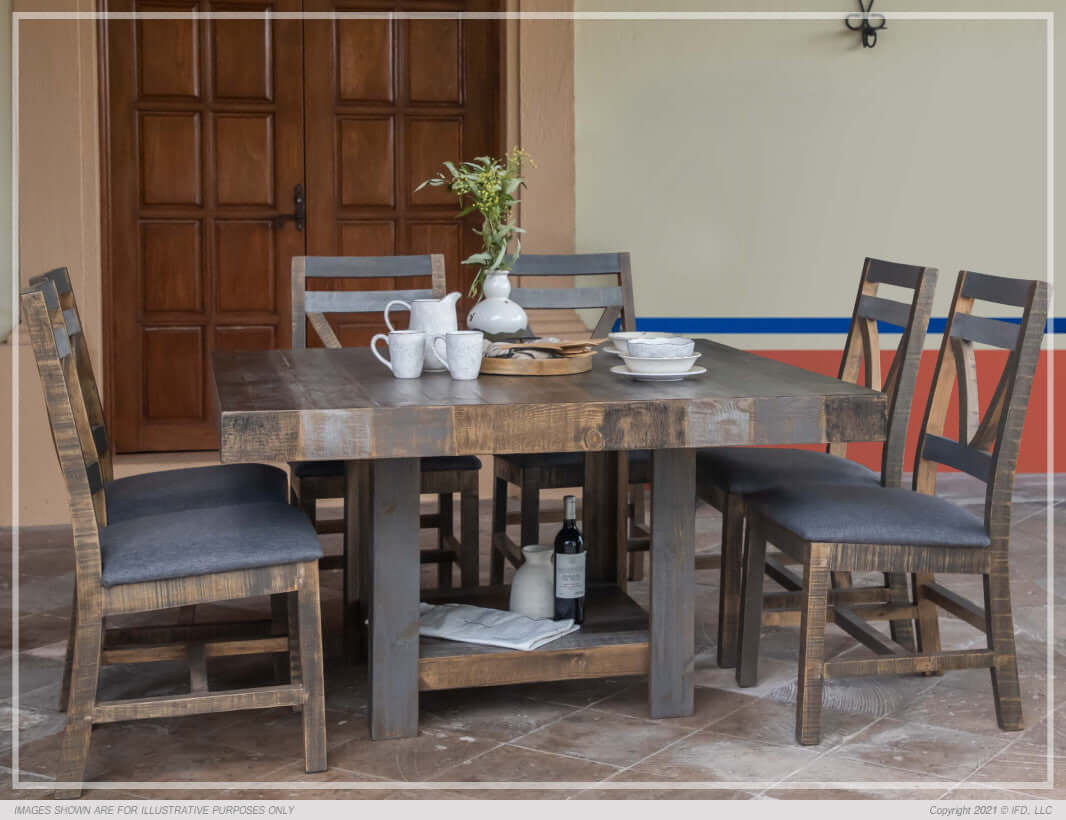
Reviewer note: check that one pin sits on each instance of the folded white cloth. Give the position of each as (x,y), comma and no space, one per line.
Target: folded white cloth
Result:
(491,627)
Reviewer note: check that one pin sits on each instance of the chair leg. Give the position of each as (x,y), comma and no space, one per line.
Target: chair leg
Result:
(812,648)
(85,673)
(445,526)
(898,594)
(638,515)
(310,668)
(499,525)
(469,557)
(729,579)
(530,512)
(1000,625)
(292,604)
(747,661)
(281,624)
(928,623)
(68,661)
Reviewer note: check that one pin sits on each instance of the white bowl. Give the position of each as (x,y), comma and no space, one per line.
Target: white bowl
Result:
(657,364)
(661,347)
(621,340)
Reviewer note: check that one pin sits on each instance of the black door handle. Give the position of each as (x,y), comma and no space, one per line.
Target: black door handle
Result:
(299,210)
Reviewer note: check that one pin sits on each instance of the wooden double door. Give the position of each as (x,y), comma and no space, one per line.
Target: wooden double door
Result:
(234,144)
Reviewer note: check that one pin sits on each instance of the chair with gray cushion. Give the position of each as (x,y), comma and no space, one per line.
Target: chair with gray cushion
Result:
(164,490)
(534,472)
(725,476)
(163,560)
(313,481)
(865,528)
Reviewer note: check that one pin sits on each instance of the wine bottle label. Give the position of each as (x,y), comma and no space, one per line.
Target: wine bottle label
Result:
(570,575)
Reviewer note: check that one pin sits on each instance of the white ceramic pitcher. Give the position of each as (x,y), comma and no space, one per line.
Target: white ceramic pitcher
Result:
(435,317)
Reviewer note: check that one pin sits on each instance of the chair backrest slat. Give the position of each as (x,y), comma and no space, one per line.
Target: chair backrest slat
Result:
(952,454)
(306,300)
(862,350)
(987,447)
(615,300)
(358,301)
(64,291)
(884,310)
(985,330)
(567,264)
(894,273)
(1003,290)
(537,298)
(64,406)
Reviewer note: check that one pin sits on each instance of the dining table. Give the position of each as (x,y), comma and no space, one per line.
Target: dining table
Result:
(285,406)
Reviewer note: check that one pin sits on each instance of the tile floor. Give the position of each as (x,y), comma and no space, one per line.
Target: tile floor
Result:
(900,733)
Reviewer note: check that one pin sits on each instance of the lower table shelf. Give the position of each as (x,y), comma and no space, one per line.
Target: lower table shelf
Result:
(612,641)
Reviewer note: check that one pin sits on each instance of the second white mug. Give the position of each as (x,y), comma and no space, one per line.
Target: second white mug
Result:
(460,351)
(406,352)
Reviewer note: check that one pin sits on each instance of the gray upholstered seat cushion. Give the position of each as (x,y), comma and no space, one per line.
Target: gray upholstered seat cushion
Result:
(193,488)
(309,469)
(204,541)
(851,514)
(745,470)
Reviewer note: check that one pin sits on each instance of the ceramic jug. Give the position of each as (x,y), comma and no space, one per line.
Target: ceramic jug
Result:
(533,586)
(435,317)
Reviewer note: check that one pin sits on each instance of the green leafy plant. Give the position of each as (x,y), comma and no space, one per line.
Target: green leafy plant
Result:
(489,186)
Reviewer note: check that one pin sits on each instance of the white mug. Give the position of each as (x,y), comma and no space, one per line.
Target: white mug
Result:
(406,352)
(460,351)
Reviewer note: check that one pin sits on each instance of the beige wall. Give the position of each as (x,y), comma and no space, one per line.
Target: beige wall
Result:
(59,225)
(750,166)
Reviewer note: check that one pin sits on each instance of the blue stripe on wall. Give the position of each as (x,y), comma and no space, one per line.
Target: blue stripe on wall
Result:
(784,324)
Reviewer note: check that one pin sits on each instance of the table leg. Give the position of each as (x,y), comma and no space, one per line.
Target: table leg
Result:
(673,590)
(599,514)
(394,588)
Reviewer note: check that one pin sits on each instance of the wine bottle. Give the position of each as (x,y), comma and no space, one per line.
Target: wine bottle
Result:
(570,566)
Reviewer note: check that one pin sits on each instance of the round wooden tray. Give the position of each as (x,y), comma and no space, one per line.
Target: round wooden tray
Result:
(564,366)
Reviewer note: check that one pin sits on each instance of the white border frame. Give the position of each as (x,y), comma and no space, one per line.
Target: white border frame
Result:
(1048,346)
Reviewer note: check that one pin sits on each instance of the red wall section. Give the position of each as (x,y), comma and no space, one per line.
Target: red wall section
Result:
(1034,453)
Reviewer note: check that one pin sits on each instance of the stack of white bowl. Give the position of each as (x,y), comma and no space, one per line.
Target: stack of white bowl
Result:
(654,353)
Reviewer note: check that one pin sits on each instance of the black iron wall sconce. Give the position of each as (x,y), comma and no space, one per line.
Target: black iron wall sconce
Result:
(866,21)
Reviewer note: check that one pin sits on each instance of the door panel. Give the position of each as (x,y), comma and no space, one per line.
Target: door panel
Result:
(396,99)
(211,125)
(205,126)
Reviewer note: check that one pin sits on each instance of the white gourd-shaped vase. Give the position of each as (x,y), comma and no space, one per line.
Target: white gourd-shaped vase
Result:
(533,586)
(495,313)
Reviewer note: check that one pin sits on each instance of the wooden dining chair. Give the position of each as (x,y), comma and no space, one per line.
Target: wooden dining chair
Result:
(725,476)
(162,491)
(863,528)
(534,472)
(168,560)
(313,481)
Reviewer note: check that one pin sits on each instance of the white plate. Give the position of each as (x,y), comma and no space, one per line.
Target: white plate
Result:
(622,370)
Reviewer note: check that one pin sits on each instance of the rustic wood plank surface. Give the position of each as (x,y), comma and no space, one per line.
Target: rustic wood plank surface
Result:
(341,404)
(315,404)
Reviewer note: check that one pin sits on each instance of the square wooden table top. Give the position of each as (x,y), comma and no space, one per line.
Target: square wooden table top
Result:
(296,405)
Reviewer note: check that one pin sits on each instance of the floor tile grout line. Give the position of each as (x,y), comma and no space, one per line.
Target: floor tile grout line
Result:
(576,758)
